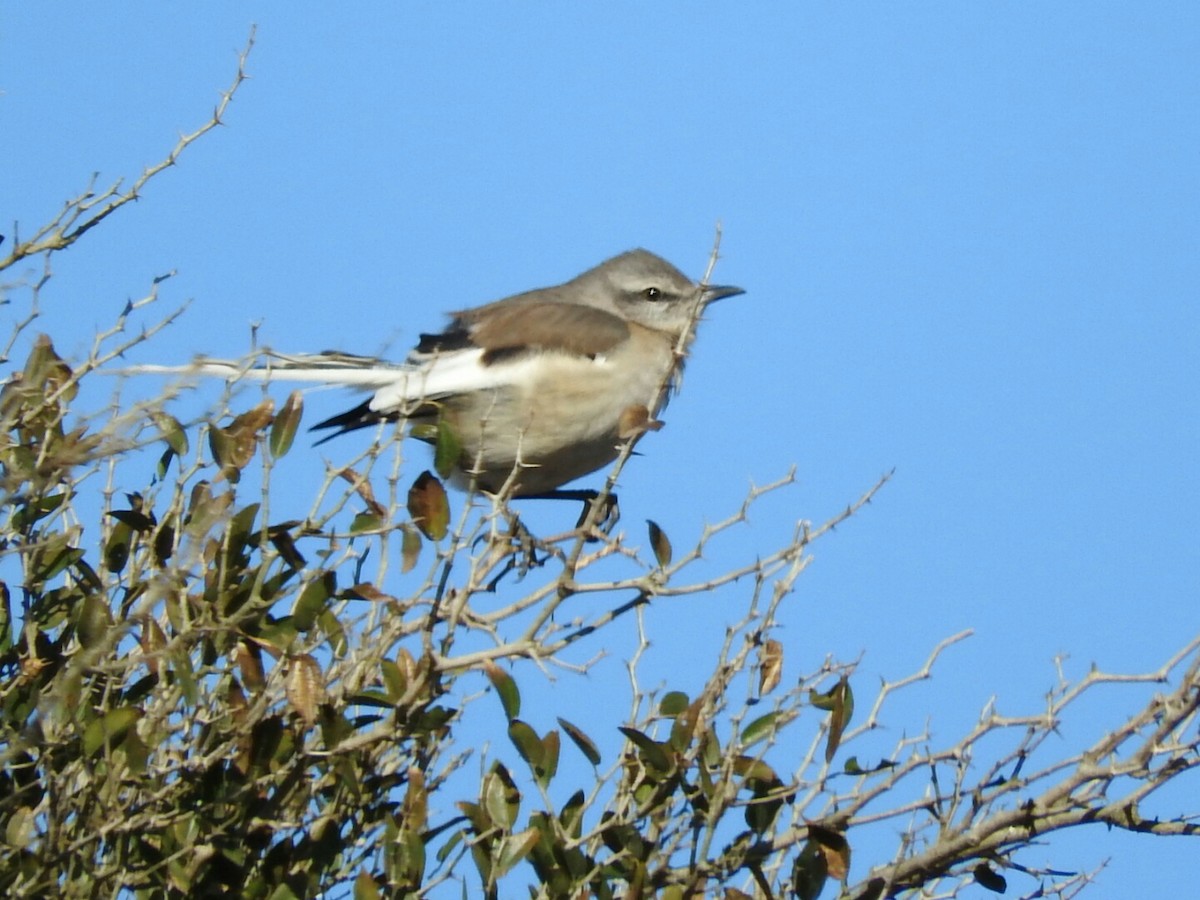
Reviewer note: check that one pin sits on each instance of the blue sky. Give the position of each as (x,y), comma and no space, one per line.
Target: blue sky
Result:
(968,235)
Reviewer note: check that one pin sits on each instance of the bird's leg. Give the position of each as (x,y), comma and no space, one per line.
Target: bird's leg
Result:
(520,545)
(525,545)
(609,514)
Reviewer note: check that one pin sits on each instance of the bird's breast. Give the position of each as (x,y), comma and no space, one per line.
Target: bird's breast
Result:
(563,417)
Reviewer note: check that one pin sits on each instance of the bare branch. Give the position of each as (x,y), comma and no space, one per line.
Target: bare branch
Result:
(84,212)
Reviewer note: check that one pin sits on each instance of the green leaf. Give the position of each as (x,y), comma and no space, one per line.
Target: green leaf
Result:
(94,620)
(673,703)
(989,879)
(365,887)
(622,837)
(227,453)
(753,769)
(653,754)
(552,875)
(241,526)
(839,716)
(432,719)
(281,539)
(365,522)
(53,558)
(571,817)
(551,747)
(415,810)
(171,432)
(447,449)
(527,742)
(335,633)
(767,801)
(116,550)
(809,872)
(515,848)
(585,744)
(410,547)
(87,576)
(5,618)
(394,681)
(109,729)
(164,543)
(500,797)
(137,754)
(138,521)
(312,600)
(204,509)
(660,544)
(506,689)
(283,429)
(185,677)
(760,728)
(412,856)
(475,815)
(21,828)
(447,848)
(29,513)
(683,728)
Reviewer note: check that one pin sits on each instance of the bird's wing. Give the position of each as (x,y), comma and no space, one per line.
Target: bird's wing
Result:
(494,346)
(525,324)
(483,349)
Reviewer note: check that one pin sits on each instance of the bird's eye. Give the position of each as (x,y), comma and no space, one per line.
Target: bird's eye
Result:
(652,293)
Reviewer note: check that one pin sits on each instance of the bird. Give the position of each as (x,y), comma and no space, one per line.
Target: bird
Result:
(539,389)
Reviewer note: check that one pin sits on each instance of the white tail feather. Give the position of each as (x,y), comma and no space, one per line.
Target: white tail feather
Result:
(396,386)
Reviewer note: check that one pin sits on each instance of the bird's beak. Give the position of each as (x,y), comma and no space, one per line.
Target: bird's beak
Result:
(714,292)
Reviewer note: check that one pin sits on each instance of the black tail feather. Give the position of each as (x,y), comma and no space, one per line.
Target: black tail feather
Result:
(361,416)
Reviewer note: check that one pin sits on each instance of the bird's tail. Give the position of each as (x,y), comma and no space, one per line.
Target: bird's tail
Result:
(323,369)
(367,372)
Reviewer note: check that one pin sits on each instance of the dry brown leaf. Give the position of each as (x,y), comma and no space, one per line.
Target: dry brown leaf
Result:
(834,848)
(362,487)
(429,507)
(770,666)
(305,687)
(249,663)
(415,801)
(153,641)
(635,420)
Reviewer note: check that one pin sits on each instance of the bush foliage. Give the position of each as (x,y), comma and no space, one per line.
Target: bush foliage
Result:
(207,699)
